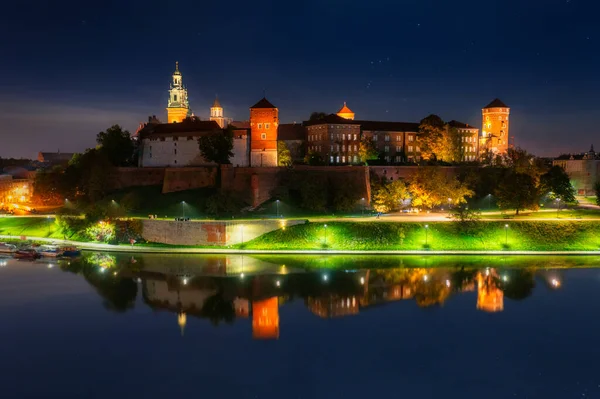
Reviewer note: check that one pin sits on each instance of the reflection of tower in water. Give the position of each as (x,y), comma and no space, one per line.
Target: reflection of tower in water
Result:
(265,319)
(490,298)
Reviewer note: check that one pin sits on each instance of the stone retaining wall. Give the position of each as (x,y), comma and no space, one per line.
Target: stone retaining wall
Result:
(217,233)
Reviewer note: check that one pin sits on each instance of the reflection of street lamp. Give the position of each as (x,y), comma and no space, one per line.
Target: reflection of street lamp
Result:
(506,234)
(426,233)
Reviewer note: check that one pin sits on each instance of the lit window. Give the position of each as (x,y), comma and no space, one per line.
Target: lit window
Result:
(343,159)
(337,159)
(398,148)
(355,147)
(260,125)
(343,136)
(263,136)
(387,137)
(267,125)
(355,159)
(374,137)
(418,149)
(331,159)
(355,137)
(410,148)
(411,138)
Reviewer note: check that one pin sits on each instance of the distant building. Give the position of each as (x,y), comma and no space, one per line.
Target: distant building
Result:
(176,144)
(216,114)
(583,170)
(14,190)
(294,137)
(469,140)
(178,107)
(338,139)
(264,122)
(495,137)
(345,112)
(54,158)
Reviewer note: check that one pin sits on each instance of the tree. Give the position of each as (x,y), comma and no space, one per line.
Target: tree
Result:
(431,137)
(430,187)
(313,192)
(517,191)
(520,161)
(317,116)
(217,146)
(367,150)
(117,145)
(390,196)
(284,157)
(313,158)
(557,182)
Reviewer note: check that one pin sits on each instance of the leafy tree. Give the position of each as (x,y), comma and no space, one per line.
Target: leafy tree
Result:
(430,187)
(367,150)
(431,137)
(597,190)
(520,161)
(117,145)
(284,157)
(317,116)
(314,158)
(346,195)
(390,196)
(47,187)
(313,192)
(557,182)
(217,147)
(517,191)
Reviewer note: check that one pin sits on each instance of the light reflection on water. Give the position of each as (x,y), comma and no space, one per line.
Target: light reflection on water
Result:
(442,312)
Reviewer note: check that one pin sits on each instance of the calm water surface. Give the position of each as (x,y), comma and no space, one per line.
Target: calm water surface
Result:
(117,326)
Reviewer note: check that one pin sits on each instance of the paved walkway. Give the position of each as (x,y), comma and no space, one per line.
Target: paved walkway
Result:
(143,249)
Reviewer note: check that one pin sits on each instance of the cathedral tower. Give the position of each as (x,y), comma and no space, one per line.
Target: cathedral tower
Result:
(216,113)
(494,128)
(264,120)
(345,112)
(178,107)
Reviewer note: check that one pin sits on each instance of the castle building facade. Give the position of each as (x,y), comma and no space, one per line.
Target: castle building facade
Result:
(495,137)
(469,140)
(178,107)
(583,170)
(264,122)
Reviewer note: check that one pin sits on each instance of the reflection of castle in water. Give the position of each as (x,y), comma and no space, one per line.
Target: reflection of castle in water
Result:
(223,289)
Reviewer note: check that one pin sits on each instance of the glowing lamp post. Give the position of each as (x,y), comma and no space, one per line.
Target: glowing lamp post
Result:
(557,206)
(277,208)
(362,202)
(183,210)
(426,234)
(489,198)
(506,234)
(325,241)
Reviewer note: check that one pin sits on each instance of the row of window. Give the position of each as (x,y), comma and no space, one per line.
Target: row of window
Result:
(174,138)
(469,158)
(468,139)
(337,159)
(469,149)
(487,118)
(260,125)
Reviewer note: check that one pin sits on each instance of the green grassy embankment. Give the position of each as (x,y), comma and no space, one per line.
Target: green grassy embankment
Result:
(482,236)
(29,227)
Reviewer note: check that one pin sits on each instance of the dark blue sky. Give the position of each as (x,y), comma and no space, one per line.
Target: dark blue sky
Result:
(70,69)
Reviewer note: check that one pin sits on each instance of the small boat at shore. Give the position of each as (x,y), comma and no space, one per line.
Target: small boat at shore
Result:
(70,251)
(29,254)
(50,251)
(7,248)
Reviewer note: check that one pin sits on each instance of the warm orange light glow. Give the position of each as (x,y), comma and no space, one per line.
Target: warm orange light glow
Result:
(265,319)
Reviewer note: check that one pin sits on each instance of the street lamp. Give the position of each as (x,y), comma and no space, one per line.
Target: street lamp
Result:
(506,234)
(362,201)
(489,198)
(277,205)
(426,233)
(182,210)
(242,234)
(449,203)
(557,206)
(325,227)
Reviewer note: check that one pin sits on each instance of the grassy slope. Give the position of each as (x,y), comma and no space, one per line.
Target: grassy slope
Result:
(522,235)
(34,226)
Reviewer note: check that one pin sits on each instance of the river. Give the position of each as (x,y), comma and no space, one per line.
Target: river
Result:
(158,326)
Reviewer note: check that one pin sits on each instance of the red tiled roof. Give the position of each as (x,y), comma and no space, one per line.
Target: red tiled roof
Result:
(264,103)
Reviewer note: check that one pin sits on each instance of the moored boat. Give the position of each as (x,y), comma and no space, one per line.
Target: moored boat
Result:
(70,251)
(50,251)
(7,248)
(26,254)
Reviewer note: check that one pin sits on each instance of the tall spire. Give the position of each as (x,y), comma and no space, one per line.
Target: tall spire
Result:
(176,68)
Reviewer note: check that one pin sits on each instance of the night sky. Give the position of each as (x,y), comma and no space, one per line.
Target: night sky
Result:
(71,69)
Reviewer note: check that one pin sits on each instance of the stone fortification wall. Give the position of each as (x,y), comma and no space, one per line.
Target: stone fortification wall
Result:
(135,177)
(180,179)
(217,233)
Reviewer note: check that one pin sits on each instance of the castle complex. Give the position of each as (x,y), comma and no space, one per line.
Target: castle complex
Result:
(335,139)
